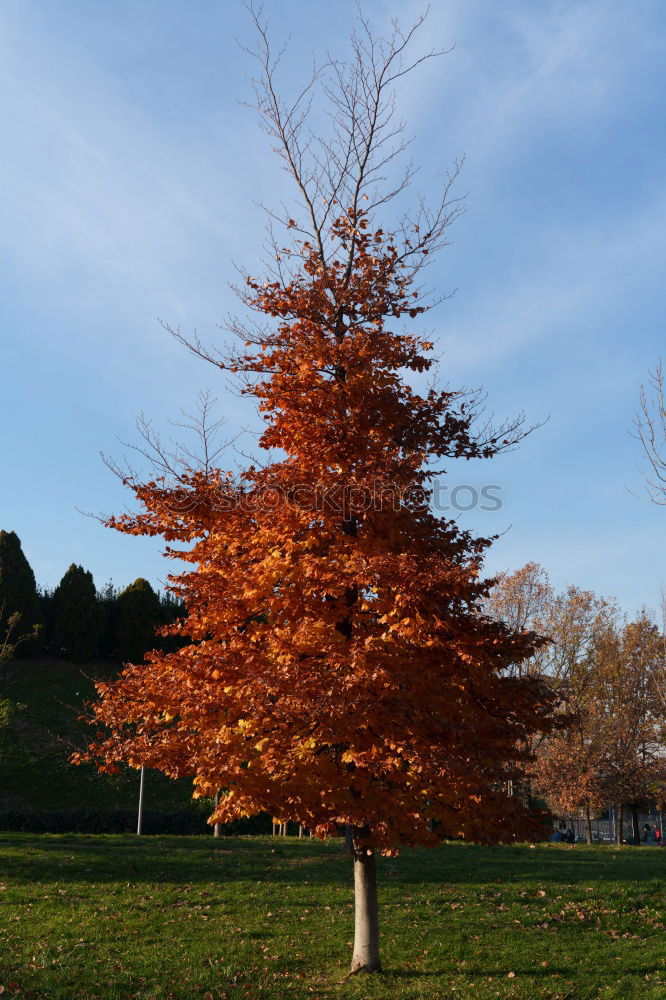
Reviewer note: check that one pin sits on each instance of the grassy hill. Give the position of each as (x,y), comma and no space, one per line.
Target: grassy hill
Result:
(35,776)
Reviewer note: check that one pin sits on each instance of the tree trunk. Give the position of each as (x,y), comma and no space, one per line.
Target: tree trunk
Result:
(635,826)
(619,823)
(588,826)
(217,828)
(366,916)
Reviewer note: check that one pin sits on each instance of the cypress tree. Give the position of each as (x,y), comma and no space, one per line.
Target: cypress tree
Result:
(78,615)
(138,615)
(18,590)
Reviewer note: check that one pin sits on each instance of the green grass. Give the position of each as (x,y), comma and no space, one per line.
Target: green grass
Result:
(120,917)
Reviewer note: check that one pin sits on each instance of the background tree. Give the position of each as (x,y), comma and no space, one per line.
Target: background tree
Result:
(138,615)
(18,590)
(570,769)
(522,600)
(572,619)
(341,670)
(78,617)
(108,600)
(607,672)
(631,727)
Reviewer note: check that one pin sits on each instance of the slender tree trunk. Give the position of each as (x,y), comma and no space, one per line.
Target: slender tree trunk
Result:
(619,823)
(217,828)
(139,821)
(366,915)
(635,826)
(588,826)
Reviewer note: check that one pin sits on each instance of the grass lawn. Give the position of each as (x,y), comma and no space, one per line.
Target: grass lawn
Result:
(176,917)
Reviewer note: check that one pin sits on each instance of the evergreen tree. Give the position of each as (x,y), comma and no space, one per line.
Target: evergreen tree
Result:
(171,608)
(18,590)
(47,610)
(139,614)
(108,599)
(78,615)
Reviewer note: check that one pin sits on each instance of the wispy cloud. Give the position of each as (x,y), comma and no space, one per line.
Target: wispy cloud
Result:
(567,280)
(98,185)
(128,183)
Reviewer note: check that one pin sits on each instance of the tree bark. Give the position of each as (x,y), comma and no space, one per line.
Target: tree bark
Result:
(217,828)
(366,915)
(588,826)
(619,823)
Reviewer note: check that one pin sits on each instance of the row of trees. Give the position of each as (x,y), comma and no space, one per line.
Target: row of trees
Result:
(75,620)
(609,672)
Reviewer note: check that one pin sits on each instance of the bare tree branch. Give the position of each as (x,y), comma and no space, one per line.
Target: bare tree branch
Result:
(650,429)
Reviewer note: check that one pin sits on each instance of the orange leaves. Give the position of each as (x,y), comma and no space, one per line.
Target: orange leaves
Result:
(339,668)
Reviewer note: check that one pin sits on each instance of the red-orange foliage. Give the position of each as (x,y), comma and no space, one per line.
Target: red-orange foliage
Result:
(340,669)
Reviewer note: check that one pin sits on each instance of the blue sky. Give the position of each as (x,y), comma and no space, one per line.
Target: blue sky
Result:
(128,183)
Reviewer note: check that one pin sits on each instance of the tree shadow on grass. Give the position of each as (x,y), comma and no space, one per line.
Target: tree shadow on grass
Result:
(199,860)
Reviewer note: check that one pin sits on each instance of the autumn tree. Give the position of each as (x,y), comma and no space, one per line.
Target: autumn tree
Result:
(569,766)
(630,716)
(607,675)
(341,670)
(522,600)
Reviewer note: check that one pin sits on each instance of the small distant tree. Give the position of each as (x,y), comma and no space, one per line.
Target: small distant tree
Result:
(18,590)
(78,617)
(10,640)
(138,615)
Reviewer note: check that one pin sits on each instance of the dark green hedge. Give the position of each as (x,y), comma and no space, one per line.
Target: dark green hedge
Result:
(185,822)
